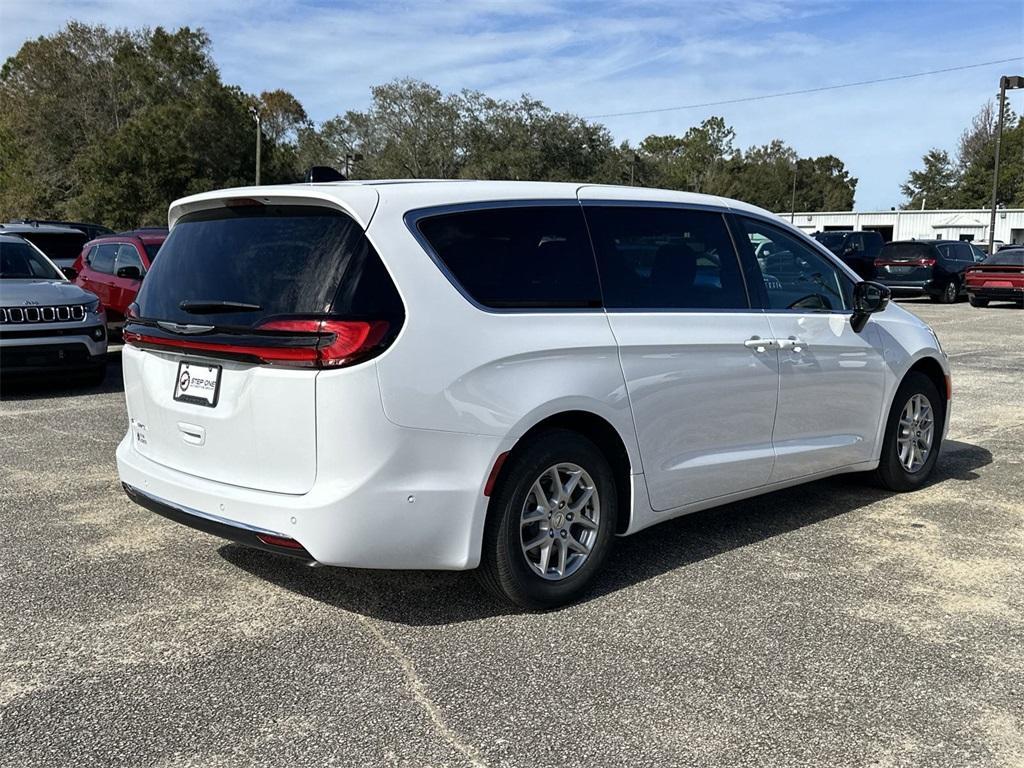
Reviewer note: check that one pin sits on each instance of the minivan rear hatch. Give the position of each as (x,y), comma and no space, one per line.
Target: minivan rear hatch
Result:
(245,305)
(906,262)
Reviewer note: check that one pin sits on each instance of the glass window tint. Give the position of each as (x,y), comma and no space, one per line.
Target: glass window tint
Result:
(665,258)
(285,260)
(529,257)
(20,261)
(127,256)
(58,245)
(102,259)
(151,250)
(795,275)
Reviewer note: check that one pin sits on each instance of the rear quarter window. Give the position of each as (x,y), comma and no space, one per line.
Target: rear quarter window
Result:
(525,257)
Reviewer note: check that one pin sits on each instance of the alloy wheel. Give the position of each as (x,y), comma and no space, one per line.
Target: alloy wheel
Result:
(559,521)
(916,433)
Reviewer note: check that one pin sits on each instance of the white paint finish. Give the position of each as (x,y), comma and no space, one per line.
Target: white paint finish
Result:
(830,395)
(928,224)
(703,402)
(460,385)
(261,434)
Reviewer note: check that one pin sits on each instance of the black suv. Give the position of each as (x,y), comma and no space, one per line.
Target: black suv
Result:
(858,250)
(933,268)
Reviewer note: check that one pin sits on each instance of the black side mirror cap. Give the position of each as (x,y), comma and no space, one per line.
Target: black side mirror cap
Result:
(868,297)
(69,272)
(130,273)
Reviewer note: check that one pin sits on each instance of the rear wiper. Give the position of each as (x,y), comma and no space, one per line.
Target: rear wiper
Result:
(214,307)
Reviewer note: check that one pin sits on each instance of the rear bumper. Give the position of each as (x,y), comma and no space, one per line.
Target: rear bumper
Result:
(996,294)
(912,288)
(421,507)
(193,518)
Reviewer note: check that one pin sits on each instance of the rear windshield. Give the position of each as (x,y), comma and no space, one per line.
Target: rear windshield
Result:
(906,251)
(1013,258)
(278,260)
(20,261)
(58,245)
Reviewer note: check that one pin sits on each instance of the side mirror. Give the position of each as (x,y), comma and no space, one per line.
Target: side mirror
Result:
(868,298)
(130,273)
(69,272)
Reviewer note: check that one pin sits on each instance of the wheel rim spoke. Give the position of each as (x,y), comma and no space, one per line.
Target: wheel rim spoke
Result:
(560,521)
(916,433)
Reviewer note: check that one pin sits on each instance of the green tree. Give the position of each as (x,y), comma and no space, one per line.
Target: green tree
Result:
(696,161)
(934,184)
(113,125)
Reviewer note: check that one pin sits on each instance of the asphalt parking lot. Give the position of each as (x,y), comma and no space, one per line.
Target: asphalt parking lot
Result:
(831,624)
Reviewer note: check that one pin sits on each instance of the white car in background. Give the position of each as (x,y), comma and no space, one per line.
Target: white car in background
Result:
(504,375)
(48,325)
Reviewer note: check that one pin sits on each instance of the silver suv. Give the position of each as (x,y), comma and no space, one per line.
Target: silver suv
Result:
(46,322)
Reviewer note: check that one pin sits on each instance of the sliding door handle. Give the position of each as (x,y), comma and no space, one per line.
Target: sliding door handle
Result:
(792,343)
(758,344)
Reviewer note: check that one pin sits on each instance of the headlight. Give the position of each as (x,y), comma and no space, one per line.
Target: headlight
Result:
(93,306)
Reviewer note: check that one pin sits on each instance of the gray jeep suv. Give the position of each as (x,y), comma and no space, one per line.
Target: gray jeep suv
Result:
(46,322)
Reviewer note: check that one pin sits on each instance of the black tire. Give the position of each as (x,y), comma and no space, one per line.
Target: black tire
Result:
(978,302)
(891,473)
(950,293)
(504,569)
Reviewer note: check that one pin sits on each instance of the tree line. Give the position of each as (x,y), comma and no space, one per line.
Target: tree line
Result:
(964,180)
(112,125)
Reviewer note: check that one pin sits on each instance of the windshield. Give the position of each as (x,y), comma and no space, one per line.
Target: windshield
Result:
(831,240)
(20,261)
(906,251)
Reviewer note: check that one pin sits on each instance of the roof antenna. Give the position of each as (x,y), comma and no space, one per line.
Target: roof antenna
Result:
(320,173)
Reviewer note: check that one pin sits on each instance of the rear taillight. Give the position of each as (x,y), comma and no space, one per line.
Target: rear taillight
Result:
(341,341)
(926,262)
(321,343)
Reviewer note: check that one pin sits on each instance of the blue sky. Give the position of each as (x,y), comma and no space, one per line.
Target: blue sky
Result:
(599,56)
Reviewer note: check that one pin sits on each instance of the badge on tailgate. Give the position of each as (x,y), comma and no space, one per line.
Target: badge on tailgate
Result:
(198,383)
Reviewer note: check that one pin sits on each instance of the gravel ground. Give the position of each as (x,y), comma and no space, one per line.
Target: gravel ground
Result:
(831,624)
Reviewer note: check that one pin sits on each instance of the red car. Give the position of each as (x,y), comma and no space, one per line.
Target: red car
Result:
(1000,277)
(113,266)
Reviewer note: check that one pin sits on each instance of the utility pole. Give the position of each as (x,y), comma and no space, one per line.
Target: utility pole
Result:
(792,206)
(1006,83)
(259,140)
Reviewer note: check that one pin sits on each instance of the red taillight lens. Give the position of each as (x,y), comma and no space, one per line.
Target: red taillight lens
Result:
(330,343)
(279,541)
(926,262)
(341,340)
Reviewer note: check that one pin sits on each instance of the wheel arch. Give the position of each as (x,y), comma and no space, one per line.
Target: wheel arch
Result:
(606,437)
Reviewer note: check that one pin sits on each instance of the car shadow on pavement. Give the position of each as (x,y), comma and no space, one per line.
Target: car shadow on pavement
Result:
(419,598)
(61,384)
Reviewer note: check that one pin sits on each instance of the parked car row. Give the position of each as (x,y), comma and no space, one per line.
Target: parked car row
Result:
(943,270)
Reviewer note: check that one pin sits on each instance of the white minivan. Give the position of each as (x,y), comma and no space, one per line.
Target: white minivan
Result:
(504,375)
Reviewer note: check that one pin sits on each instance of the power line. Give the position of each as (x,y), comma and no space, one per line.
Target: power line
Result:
(805,90)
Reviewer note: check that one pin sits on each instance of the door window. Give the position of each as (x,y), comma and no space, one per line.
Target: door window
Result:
(525,257)
(665,258)
(102,259)
(127,256)
(795,275)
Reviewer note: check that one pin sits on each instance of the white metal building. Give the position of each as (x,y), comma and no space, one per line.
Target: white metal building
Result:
(970,224)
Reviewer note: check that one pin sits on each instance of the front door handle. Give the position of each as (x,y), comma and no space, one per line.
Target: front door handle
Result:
(792,343)
(758,344)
